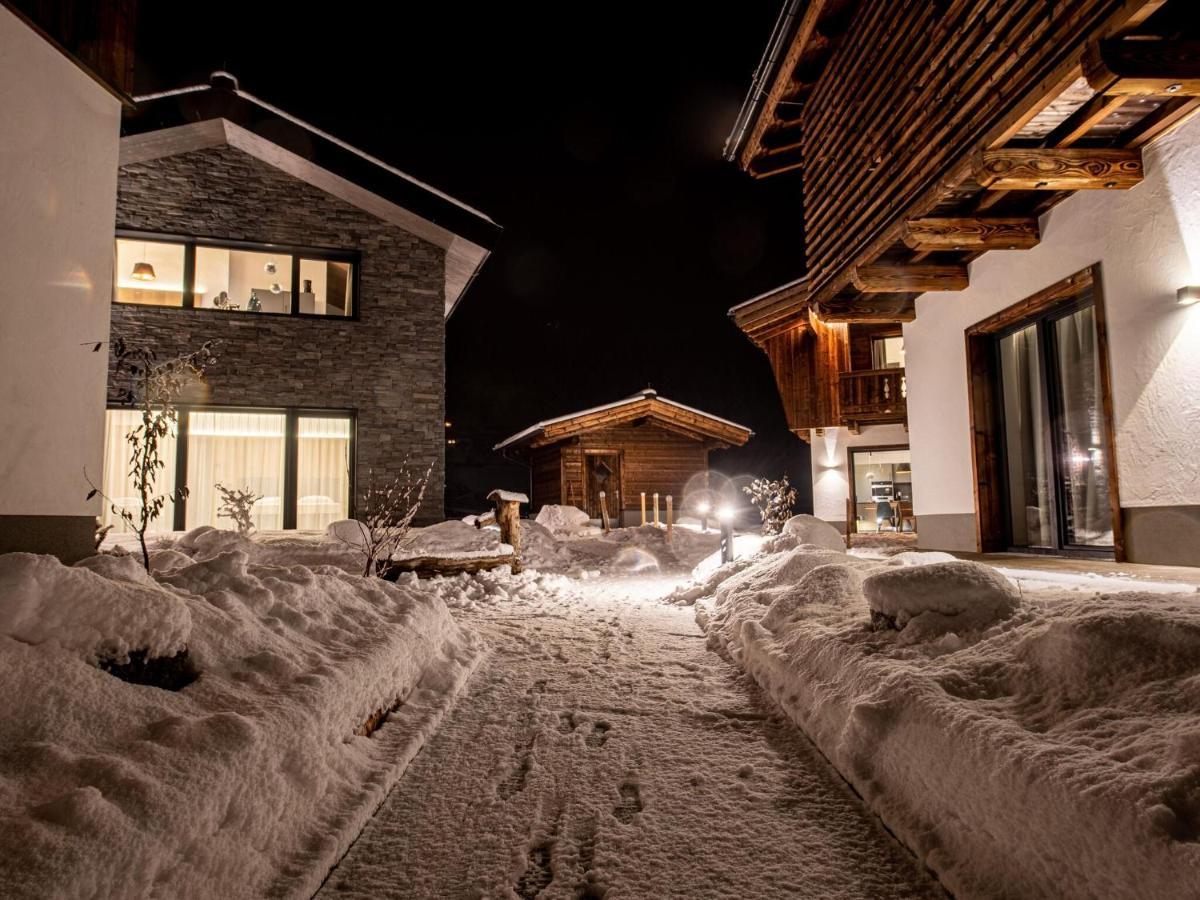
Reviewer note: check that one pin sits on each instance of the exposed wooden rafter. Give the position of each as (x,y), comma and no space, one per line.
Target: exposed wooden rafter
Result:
(1139,68)
(972,234)
(1067,169)
(893,279)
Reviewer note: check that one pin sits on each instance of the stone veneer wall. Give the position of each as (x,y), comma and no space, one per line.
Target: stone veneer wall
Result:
(388,365)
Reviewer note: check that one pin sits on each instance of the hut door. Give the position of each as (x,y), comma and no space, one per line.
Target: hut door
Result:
(602,473)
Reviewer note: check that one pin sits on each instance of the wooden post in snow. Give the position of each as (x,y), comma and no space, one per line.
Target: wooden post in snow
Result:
(851,518)
(656,522)
(643,507)
(508,517)
(670,515)
(604,513)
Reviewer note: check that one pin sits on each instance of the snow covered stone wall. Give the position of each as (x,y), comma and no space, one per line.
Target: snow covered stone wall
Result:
(249,782)
(1023,747)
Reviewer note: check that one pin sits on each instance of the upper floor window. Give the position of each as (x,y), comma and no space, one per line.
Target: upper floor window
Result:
(197,273)
(887,352)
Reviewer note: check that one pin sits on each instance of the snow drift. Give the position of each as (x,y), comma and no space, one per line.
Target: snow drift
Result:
(1043,747)
(249,782)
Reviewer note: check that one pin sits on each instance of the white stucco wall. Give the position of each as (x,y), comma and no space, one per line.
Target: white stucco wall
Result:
(1148,243)
(831,489)
(58,188)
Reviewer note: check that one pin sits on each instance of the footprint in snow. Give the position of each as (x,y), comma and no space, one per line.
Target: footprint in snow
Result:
(537,875)
(598,735)
(630,803)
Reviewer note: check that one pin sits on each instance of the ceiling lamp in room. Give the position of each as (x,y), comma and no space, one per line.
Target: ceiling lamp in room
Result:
(143,271)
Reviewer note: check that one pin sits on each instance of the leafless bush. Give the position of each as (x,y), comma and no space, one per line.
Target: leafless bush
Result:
(774,500)
(152,387)
(385,516)
(238,505)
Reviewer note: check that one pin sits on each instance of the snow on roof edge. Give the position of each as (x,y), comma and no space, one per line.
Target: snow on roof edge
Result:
(640,395)
(765,294)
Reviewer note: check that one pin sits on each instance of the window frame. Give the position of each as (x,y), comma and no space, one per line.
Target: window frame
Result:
(294,251)
(291,448)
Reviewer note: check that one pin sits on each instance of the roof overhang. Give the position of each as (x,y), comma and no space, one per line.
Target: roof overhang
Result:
(213,116)
(648,406)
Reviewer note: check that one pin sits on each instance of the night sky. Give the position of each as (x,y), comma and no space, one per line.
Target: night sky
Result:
(593,136)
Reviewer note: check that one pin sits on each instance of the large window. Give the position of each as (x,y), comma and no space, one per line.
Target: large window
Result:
(197,273)
(300,462)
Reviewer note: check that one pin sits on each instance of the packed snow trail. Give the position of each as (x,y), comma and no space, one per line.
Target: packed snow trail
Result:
(602,751)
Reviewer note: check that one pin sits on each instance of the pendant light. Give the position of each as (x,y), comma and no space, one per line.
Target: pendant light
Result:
(143,271)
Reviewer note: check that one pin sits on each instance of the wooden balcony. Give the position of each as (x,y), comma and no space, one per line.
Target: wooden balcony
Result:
(872,397)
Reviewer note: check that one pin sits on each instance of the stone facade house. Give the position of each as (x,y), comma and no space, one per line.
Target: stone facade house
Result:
(324,276)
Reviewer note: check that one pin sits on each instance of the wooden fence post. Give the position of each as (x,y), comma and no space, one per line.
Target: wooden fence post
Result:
(656,522)
(604,513)
(508,517)
(670,515)
(643,507)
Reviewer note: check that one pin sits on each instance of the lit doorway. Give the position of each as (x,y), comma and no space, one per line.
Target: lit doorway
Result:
(881,493)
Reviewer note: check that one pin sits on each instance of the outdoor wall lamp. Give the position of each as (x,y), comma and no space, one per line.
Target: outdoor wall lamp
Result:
(1188,295)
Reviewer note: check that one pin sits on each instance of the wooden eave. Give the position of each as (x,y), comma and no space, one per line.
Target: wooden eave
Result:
(645,410)
(1106,101)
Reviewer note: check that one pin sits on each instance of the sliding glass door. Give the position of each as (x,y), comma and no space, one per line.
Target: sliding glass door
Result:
(1055,463)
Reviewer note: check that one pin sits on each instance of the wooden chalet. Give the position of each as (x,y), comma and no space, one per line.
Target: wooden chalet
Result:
(642,444)
(935,142)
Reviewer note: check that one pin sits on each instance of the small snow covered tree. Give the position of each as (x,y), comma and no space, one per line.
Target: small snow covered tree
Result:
(151,386)
(774,500)
(238,505)
(385,516)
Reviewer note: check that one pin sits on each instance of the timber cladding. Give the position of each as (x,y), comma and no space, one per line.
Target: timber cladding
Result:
(913,87)
(652,460)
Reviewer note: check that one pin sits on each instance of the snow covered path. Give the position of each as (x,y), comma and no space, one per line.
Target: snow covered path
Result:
(602,751)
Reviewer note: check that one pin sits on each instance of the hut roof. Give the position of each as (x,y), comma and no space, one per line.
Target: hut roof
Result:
(644,405)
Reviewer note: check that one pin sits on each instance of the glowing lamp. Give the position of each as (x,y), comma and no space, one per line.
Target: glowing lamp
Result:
(1188,295)
(703,507)
(725,513)
(143,271)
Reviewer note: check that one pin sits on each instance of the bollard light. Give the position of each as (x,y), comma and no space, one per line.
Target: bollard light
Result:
(725,514)
(703,507)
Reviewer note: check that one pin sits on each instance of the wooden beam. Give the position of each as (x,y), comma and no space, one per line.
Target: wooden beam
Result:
(1163,120)
(885,279)
(1140,68)
(972,234)
(1083,120)
(870,308)
(1067,169)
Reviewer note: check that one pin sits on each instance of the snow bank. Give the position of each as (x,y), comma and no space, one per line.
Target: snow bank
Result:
(924,602)
(811,530)
(561,518)
(453,539)
(251,780)
(43,602)
(1048,749)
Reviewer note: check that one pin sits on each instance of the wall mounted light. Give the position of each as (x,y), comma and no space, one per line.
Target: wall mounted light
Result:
(1188,295)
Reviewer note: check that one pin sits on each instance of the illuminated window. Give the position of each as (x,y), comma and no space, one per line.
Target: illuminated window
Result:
(149,273)
(117,479)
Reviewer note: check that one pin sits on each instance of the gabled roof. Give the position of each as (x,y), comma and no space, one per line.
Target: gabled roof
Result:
(221,114)
(646,405)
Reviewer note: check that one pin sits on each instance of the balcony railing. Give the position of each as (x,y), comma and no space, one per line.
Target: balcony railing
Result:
(873,397)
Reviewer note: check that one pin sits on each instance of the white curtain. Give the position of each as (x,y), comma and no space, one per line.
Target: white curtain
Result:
(1029,470)
(322,471)
(116,481)
(240,451)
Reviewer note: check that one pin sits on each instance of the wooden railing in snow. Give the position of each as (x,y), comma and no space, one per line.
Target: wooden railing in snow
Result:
(872,397)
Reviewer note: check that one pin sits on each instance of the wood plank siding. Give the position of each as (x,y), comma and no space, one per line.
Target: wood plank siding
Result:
(807,360)
(914,86)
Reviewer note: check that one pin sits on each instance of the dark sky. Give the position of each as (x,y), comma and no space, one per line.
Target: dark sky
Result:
(593,135)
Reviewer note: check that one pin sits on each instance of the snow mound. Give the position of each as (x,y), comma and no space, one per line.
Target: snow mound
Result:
(95,617)
(561,518)
(920,558)
(811,530)
(925,602)
(634,559)
(452,539)
(347,531)
(838,585)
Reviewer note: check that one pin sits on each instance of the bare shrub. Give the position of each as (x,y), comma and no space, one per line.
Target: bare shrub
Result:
(774,500)
(239,506)
(151,386)
(385,516)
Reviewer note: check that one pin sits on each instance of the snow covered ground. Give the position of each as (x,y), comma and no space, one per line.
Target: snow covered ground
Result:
(1036,736)
(601,750)
(251,780)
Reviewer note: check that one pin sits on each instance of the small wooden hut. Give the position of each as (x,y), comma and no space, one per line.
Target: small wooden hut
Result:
(642,444)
